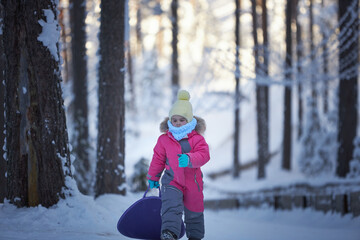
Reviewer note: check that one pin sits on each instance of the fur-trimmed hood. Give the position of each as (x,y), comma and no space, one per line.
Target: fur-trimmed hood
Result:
(200,126)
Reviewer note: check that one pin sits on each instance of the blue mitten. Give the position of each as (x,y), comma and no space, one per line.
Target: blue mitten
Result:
(183,160)
(153,184)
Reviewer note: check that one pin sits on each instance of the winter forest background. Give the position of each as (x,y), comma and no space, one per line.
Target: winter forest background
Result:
(86,84)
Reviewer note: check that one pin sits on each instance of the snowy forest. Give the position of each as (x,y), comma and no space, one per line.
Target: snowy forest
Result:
(86,83)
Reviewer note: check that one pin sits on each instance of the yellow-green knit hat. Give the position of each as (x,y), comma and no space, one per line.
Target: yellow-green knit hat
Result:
(182,106)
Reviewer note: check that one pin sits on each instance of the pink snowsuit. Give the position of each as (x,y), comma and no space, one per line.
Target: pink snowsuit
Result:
(187,182)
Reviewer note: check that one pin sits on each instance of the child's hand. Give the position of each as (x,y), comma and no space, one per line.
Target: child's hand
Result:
(153,184)
(183,160)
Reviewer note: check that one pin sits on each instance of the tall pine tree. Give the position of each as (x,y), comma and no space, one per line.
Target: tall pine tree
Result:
(236,160)
(80,138)
(2,117)
(110,171)
(286,153)
(348,87)
(36,137)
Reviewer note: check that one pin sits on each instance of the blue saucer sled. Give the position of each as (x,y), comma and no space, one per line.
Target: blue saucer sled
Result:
(142,220)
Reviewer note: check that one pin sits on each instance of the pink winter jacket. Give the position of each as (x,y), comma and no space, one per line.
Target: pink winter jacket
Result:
(166,153)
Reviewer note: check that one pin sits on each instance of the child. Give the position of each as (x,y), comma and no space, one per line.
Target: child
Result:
(181,150)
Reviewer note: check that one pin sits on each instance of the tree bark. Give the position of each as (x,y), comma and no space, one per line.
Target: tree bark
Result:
(263,99)
(348,87)
(299,56)
(236,161)
(312,56)
(174,44)
(266,39)
(80,139)
(286,154)
(64,43)
(261,93)
(139,41)
(325,58)
(131,80)
(110,172)
(36,137)
(2,117)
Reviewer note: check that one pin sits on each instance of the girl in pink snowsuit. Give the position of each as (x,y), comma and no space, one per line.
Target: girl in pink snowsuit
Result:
(181,150)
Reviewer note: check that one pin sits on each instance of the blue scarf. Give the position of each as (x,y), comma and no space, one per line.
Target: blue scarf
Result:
(180,132)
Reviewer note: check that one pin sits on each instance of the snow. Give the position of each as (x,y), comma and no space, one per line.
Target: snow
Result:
(50,34)
(83,218)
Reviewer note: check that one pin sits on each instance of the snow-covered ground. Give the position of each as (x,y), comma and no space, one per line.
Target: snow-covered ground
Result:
(83,218)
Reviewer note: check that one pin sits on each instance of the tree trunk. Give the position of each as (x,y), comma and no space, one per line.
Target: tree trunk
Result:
(266,71)
(236,167)
(139,46)
(348,89)
(255,37)
(263,102)
(299,56)
(266,39)
(325,68)
(64,43)
(131,80)
(80,139)
(261,97)
(259,92)
(286,154)
(36,137)
(2,117)
(174,44)
(110,172)
(312,56)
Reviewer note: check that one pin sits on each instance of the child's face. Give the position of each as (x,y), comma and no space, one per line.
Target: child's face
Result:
(178,121)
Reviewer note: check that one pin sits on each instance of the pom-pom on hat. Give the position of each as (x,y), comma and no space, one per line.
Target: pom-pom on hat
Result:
(182,106)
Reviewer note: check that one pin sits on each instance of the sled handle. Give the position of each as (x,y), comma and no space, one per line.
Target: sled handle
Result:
(149,189)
